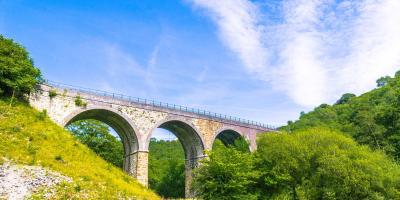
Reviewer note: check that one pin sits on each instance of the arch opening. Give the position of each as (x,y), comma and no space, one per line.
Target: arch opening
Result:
(121,127)
(231,138)
(183,136)
(101,138)
(166,165)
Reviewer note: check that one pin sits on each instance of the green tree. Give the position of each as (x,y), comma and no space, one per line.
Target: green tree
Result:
(172,183)
(372,118)
(18,75)
(316,163)
(345,98)
(323,164)
(228,173)
(167,168)
(96,135)
(382,81)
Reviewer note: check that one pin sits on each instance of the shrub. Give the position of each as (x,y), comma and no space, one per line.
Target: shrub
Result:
(52,94)
(79,102)
(42,115)
(58,158)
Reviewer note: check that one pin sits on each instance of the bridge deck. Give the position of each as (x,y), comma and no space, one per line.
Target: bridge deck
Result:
(140,102)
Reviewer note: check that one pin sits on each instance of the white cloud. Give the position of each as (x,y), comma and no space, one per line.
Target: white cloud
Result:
(239,29)
(318,49)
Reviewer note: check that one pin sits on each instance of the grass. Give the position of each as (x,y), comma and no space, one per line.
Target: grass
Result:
(29,137)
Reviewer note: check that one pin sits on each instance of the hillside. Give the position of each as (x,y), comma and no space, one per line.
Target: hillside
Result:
(28,137)
(372,118)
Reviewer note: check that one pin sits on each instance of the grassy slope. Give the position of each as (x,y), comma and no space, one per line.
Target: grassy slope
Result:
(28,137)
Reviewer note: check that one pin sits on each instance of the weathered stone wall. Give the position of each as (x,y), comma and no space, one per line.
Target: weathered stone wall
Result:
(208,129)
(141,120)
(142,167)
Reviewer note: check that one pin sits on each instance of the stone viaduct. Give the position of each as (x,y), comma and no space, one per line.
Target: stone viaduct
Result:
(134,120)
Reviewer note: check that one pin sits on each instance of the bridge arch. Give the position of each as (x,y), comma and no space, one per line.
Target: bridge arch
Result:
(187,133)
(191,140)
(120,123)
(228,135)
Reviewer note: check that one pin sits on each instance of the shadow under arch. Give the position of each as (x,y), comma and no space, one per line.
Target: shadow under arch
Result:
(122,126)
(228,137)
(186,133)
(192,144)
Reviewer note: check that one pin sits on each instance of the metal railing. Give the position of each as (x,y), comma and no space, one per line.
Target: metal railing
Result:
(147,102)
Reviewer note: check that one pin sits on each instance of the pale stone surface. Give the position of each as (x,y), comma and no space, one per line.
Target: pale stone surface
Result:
(20,181)
(208,128)
(142,167)
(134,122)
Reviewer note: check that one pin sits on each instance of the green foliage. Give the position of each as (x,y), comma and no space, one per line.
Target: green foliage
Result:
(311,164)
(42,115)
(96,135)
(322,164)
(239,144)
(25,139)
(79,102)
(345,98)
(52,93)
(383,81)
(18,76)
(167,168)
(228,173)
(372,118)
(172,183)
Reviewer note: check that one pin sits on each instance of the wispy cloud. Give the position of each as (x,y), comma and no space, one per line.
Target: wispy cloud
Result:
(120,62)
(123,66)
(202,75)
(316,49)
(151,65)
(239,29)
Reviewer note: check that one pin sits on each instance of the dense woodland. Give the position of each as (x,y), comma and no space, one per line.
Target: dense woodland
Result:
(349,150)
(372,119)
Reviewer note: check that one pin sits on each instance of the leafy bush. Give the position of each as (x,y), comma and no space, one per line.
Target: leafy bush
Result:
(79,102)
(42,115)
(52,93)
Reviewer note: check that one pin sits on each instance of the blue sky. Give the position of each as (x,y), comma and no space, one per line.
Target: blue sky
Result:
(261,60)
